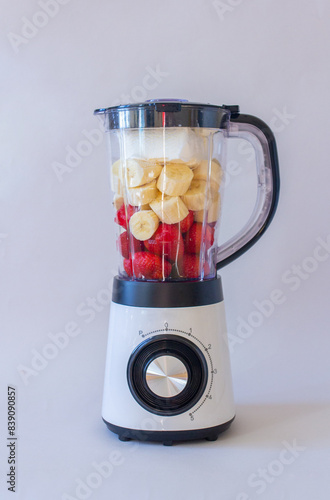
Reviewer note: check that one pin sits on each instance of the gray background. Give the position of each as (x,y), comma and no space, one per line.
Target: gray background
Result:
(57,247)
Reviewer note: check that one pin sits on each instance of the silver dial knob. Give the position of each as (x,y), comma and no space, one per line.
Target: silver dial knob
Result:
(166,376)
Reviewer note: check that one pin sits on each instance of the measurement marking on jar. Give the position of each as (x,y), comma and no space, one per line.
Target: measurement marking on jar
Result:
(11,439)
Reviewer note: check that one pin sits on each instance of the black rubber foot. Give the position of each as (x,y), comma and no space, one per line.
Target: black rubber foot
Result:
(212,438)
(124,438)
(169,437)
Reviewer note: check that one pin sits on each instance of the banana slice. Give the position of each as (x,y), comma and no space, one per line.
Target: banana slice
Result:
(142,195)
(117,186)
(212,212)
(118,200)
(198,196)
(192,163)
(139,172)
(135,172)
(202,170)
(143,224)
(170,209)
(115,178)
(159,161)
(175,179)
(116,168)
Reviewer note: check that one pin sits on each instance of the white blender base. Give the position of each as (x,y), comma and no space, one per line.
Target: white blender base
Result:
(130,329)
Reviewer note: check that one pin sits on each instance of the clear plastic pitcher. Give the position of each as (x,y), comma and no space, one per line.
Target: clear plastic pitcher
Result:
(167,164)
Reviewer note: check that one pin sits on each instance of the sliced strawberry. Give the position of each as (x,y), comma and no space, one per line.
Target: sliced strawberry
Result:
(127,242)
(121,217)
(187,222)
(191,266)
(193,238)
(167,241)
(128,267)
(146,265)
(123,245)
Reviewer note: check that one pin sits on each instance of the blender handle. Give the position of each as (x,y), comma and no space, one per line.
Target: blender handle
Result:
(262,139)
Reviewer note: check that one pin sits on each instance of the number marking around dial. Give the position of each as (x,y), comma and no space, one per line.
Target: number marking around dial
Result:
(213,370)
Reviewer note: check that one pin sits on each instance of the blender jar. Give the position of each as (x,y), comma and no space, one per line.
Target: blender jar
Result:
(167,160)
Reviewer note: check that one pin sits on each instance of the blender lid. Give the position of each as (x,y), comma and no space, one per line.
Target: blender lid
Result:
(166,113)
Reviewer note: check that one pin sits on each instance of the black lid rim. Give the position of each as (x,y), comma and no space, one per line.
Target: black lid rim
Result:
(156,103)
(161,114)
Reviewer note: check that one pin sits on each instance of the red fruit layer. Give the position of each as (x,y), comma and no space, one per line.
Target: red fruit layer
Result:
(193,238)
(128,267)
(191,266)
(167,241)
(147,266)
(123,215)
(187,222)
(126,242)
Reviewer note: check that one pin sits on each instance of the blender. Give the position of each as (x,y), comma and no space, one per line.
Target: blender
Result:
(167,375)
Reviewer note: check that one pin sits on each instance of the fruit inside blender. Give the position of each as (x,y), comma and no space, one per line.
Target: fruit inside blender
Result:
(166,213)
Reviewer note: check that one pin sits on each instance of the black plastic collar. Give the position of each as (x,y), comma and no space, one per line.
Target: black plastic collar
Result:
(167,294)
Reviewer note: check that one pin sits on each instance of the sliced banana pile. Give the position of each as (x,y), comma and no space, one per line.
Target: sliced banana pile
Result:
(165,190)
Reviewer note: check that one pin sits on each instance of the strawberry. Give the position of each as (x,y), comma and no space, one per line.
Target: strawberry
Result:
(167,241)
(146,265)
(191,266)
(193,238)
(124,214)
(127,242)
(128,267)
(187,222)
